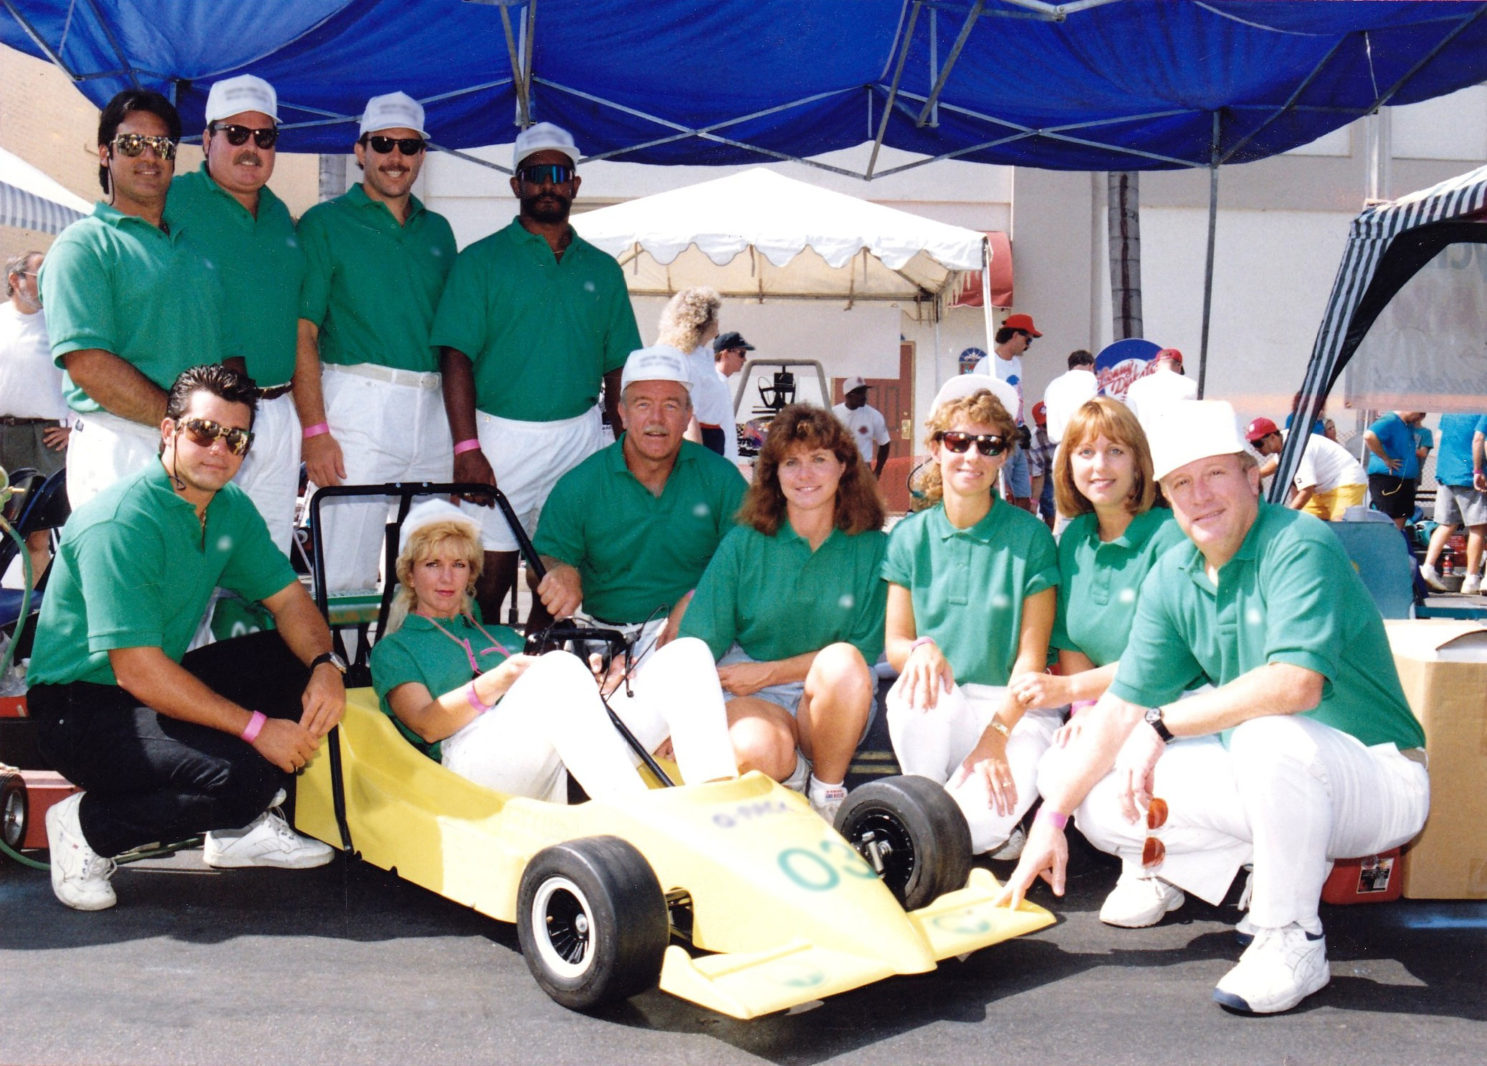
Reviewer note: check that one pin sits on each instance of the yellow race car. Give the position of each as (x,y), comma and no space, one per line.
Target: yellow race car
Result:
(733,894)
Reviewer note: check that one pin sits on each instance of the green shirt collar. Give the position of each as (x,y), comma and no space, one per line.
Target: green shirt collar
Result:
(357,196)
(111,215)
(983,532)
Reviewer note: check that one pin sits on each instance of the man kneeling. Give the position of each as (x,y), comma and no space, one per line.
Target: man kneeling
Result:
(167,745)
(1304,751)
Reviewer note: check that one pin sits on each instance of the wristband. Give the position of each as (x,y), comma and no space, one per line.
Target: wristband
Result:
(1057,819)
(254,727)
(316,430)
(474,699)
(1001,727)
(470,445)
(919,643)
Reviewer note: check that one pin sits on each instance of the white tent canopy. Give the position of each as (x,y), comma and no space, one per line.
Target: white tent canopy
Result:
(759,234)
(31,200)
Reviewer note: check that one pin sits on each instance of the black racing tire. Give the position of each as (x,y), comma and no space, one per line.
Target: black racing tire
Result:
(911,832)
(14,809)
(591,919)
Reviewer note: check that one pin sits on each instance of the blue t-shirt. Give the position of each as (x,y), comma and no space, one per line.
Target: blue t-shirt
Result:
(1453,463)
(1399,441)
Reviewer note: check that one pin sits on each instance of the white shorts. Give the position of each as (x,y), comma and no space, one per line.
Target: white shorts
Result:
(104,448)
(270,473)
(528,458)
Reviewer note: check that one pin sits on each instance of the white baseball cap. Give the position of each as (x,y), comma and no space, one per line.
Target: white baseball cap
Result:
(543,137)
(393,111)
(852,384)
(1187,430)
(434,510)
(958,388)
(658,363)
(233,96)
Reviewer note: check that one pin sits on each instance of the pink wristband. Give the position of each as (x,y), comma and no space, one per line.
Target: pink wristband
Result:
(1054,818)
(254,727)
(316,430)
(920,643)
(474,700)
(471,445)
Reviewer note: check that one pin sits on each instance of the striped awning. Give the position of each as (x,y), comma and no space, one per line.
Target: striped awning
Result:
(29,199)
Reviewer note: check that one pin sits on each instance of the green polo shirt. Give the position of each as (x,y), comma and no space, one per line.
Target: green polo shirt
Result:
(541,332)
(967,585)
(371,285)
(259,261)
(1289,595)
(115,282)
(1099,581)
(639,554)
(419,652)
(135,569)
(777,598)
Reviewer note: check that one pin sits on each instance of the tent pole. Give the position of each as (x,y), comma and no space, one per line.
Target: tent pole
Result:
(955,50)
(986,314)
(898,73)
(1213,209)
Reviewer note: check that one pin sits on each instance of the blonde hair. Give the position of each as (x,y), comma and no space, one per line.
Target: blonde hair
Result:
(426,541)
(1113,420)
(687,315)
(981,407)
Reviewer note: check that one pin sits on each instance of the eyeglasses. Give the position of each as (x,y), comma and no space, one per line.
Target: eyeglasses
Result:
(1028,336)
(134,144)
(204,433)
(406,145)
(551,173)
(1153,851)
(265,138)
(986,443)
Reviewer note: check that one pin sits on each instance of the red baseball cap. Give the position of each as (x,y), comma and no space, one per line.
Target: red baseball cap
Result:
(1040,413)
(1260,427)
(1022,322)
(1168,353)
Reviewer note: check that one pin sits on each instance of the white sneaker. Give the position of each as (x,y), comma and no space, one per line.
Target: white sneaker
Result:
(1472,586)
(826,799)
(1139,901)
(1244,931)
(1431,578)
(79,874)
(265,841)
(1011,851)
(796,782)
(1280,969)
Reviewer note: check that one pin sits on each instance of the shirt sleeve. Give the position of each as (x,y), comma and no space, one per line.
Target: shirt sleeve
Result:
(560,528)
(120,567)
(1059,638)
(75,283)
(320,267)
(898,557)
(872,608)
(712,616)
(1157,664)
(1042,559)
(623,335)
(1301,574)
(257,568)
(880,431)
(461,316)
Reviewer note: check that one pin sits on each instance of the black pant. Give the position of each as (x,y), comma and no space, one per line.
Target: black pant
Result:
(152,778)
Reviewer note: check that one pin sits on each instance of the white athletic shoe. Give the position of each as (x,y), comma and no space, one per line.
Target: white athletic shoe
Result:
(1431,578)
(1139,901)
(1280,969)
(1244,931)
(1472,586)
(265,841)
(79,874)
(1011,851)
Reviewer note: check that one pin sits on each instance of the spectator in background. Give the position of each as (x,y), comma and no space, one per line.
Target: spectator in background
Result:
(729,355)
(1394,463)
(1069,391)
(689,323)
(1457,501)
(1161,385)
(1005,364)
(1040,463)
(869,428)
(1328,479)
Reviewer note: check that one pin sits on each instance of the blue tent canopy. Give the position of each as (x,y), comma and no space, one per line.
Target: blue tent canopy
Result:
(1085,85)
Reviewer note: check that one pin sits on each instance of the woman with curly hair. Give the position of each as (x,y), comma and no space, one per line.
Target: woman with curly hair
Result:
(971,599)
(792,607)
(689,323)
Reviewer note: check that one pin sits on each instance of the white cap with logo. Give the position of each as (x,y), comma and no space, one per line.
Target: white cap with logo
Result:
(958,388)
(543,137)
(658,363)
(1187,430)
(233,96)
(393,111)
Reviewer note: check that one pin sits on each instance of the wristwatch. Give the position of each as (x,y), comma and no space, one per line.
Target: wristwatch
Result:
(1154,719)
(329,657)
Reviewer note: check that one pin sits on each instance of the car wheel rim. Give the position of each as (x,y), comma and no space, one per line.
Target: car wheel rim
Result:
(563,924)
(884,842)
(12,820)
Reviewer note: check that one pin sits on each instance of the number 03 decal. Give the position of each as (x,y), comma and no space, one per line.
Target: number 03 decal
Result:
(823,872)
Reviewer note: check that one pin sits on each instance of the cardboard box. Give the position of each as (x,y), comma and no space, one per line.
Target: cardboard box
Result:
(1442,665)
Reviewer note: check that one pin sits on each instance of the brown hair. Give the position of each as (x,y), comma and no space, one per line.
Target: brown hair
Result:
(426,541)
(858,507)
(981,407)
(1113,420)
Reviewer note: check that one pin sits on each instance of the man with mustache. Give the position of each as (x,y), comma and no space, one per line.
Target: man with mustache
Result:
(129,304)
(367,381)
(628,531)
(227,212)
(533,322)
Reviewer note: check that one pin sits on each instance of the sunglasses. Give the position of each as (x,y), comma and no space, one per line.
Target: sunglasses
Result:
(406,145)
(1153,851)
(134,145)
(265,138)
(552,173)
(204,433)
(986,443)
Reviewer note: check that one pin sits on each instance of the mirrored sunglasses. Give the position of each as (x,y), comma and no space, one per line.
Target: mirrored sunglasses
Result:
(204,433)
(265,137)
(134,145)
(987,444)
(406,145)
(551,173)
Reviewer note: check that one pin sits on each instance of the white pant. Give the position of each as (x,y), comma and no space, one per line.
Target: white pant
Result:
(527,459)
(1289,794)
(270,472)
(552,718)
(933,744)
(388,431)
(104,448)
